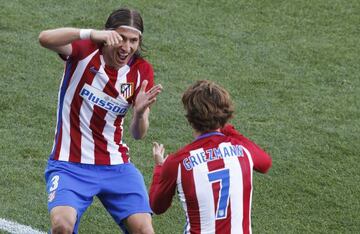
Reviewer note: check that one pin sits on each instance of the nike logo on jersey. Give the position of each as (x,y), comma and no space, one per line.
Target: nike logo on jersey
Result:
(101,99)
(93,70)
(223,151)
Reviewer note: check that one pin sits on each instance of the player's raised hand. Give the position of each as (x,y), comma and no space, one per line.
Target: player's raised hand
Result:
(144,98)
(158,153)
(108,37)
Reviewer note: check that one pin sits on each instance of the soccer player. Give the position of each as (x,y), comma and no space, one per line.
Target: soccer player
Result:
(104,76)
(212,174)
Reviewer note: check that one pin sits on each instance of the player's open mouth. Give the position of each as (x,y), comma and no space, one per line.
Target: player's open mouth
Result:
(122,56)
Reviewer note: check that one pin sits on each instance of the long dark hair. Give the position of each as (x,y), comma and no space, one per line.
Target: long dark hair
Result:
(127,17)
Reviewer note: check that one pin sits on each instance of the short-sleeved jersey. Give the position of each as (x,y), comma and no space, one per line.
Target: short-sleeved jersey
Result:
(213,178)
(92,102)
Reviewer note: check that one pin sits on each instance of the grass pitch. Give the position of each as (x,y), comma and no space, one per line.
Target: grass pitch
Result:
(292,68)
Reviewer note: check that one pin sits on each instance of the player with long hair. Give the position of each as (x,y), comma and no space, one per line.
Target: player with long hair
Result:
(104,76)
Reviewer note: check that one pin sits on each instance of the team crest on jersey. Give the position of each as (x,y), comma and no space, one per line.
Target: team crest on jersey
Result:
(94,96)
(127,90)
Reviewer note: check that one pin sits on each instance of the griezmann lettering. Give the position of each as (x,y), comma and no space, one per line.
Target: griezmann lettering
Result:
(212,154)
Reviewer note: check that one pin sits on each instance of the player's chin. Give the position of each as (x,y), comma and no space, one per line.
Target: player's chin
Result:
(121,62)
(121,59)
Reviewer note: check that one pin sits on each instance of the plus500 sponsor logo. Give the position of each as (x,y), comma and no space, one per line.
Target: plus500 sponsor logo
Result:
(103,100)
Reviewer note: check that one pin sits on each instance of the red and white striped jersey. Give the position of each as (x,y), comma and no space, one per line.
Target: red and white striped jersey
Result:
(92,102)
(213,178)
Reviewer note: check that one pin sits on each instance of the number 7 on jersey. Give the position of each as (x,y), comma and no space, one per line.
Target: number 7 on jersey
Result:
(223,201)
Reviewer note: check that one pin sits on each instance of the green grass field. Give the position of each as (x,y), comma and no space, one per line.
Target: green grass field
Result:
(292,68)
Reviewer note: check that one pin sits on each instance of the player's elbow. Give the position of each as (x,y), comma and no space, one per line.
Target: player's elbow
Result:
(157,209)
(158,206)
(265,166)
(157,212)
(137,135)
(48,39)
(44,39)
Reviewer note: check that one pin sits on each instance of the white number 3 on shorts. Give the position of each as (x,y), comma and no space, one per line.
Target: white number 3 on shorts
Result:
(55,183)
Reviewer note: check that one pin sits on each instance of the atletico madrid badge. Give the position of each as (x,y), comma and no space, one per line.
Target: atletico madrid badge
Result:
(127,90)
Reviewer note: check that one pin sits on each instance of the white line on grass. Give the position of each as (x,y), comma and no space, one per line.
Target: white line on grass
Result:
(17,228)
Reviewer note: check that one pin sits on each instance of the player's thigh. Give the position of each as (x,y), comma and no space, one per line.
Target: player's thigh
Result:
(63,216)
(124,193)
(139,223)
(71,189)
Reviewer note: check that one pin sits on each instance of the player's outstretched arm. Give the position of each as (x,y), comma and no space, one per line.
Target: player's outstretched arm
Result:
(163,185)
(59,39)
(262,160)
(140,120)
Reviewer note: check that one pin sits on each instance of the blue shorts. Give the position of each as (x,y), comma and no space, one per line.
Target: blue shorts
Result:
(120,188)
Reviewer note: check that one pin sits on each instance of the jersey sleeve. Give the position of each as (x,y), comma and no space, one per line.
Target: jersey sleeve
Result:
(80,49)
(262,161)
(147,72)
(163,185)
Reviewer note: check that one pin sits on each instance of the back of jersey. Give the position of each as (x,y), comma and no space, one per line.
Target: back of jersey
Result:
(215,185)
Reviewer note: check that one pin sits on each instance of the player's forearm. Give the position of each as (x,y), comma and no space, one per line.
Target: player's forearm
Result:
(58,37)
(159,201)
(139,125)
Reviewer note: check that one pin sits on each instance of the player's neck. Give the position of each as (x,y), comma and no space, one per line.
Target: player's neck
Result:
(197,134)
(109,62)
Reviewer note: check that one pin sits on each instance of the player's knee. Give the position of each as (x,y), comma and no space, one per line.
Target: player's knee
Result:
(139,224)
(144,229)
(60,225)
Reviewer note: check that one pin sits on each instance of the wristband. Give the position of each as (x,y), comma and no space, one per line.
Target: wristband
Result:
(85,33)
